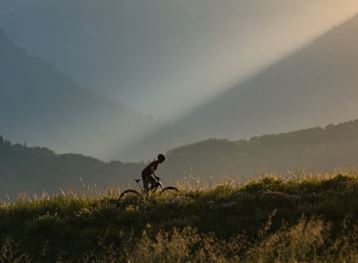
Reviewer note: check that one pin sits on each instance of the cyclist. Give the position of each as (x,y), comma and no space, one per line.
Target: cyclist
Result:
(148,173)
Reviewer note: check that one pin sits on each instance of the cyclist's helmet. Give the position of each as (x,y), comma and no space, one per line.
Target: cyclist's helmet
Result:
(161,158)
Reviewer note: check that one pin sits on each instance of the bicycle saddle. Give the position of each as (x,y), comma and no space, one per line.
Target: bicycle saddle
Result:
(137,180)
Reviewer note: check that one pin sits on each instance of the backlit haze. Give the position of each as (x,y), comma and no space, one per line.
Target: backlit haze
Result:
(166,54)
(164,58)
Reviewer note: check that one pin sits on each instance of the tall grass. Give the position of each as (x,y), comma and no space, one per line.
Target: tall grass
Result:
(270,219)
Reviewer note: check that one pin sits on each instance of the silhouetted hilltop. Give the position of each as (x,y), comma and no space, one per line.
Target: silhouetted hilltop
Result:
(33,170)
(310,150)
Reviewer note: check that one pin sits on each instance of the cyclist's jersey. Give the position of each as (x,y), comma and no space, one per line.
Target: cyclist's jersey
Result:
(147,172)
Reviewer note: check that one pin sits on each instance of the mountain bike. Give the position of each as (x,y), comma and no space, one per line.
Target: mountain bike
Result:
(142,194)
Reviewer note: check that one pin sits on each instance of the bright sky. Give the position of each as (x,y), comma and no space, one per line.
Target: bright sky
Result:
(228,40)
(165,57)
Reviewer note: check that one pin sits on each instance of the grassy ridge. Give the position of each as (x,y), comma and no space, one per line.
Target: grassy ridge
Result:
(269,219)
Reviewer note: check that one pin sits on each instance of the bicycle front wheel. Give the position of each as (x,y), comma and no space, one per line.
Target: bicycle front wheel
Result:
(169,191)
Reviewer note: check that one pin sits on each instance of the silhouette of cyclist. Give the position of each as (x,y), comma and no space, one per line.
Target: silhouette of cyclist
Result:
(148,173)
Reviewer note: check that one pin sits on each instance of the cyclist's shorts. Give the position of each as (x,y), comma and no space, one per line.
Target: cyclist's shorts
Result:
(149,179)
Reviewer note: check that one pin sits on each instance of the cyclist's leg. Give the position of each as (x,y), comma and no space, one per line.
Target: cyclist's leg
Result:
(153,182)
(145,184)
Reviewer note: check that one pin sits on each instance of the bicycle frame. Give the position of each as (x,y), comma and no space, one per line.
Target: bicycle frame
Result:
(153,189)
(144,193)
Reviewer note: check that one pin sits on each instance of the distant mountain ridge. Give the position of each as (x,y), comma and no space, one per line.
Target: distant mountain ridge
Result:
(309,150)
(33,169)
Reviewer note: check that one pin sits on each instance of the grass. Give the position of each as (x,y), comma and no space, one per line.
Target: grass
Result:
(271,219)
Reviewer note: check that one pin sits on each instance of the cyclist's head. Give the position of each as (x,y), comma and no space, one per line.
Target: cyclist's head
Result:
(161,158)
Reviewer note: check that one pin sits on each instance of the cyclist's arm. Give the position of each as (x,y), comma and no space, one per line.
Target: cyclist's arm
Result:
(152,169)
(157,178)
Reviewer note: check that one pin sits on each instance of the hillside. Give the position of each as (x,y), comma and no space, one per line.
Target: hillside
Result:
(268,220)
(34,170)
(310,150)
(41,105)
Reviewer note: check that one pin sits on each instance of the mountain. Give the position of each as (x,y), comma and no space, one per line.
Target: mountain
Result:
(43,106)
(95,43)
(33,170)
(313,86)
(309,150)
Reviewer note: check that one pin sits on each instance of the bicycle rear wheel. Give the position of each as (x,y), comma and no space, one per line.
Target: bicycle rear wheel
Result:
(131,196)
